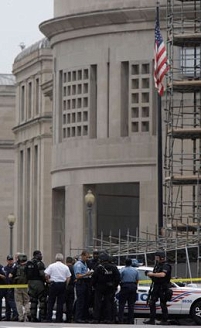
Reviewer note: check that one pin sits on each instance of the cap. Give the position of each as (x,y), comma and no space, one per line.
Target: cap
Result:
(161,254)
(9,257)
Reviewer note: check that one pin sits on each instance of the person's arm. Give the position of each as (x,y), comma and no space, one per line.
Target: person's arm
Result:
(156,274)
(83,275)
(68,280)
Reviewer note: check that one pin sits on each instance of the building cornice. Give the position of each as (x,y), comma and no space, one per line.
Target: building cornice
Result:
(38,120)
(98,19)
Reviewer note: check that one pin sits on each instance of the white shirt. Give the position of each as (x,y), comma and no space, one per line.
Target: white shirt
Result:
(58,272)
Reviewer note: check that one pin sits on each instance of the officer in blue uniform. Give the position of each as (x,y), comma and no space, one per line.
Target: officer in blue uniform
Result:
(83,286)
(129,280)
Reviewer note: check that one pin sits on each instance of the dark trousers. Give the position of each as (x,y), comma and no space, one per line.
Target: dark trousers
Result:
(37,293)
(104,304)
(2,295)
(56,293)
(83,298)
(127,294)
(70,297)
(158,292)
(10,305)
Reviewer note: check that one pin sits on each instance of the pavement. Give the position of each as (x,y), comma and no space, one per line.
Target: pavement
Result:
(138,323)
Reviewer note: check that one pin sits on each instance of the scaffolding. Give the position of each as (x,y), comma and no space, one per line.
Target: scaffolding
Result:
(181,252)
(182,155)
(182,160)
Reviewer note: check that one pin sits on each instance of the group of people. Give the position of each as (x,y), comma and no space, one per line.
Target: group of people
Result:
(93,281)
(39,288)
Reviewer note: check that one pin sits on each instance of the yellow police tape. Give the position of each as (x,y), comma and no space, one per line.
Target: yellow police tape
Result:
(148,281)
(14,286)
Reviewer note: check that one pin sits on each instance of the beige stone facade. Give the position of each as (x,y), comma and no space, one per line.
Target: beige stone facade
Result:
(104,118)
(7,155)
(33,140)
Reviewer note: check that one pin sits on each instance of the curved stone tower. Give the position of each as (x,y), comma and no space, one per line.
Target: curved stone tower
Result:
(104,118)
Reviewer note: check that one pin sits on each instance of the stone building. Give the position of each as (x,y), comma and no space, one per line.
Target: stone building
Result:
(7,155)
(104,119)
(33,140)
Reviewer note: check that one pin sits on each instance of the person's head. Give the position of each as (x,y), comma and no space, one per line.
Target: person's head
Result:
(10,260)
(128,262)
(95,254)
(16,256)
(37,255)
(59,257)
(85,256)
(160,256)
(104,257)
(69,260)
(22,258)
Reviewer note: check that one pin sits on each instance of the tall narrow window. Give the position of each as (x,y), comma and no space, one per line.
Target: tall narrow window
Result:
(29,109)
(28,197)
(22,102)
(37,97)
(35,208)
(124,98)
(21,192)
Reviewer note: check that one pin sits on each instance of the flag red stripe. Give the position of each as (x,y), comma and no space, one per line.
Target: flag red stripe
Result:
(161,65)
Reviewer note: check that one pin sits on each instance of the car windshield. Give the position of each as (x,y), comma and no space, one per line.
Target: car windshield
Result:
(143,278)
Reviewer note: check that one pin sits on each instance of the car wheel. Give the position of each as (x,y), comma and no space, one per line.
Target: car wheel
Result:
(196,312)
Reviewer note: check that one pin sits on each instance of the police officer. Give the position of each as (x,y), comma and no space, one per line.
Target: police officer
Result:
(2,290)
(36,285)
(160,276)
(129,280)
(105,280)
(10,298)
(92,263)
(70,293)
(83,285)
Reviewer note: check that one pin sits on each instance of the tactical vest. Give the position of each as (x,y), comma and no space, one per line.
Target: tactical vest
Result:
(32,271)
(21,277)
(159,268)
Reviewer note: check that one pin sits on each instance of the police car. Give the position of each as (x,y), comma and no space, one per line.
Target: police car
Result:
(186,301)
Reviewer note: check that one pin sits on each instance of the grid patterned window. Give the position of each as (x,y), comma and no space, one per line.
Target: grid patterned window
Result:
(140,94)
(76,102)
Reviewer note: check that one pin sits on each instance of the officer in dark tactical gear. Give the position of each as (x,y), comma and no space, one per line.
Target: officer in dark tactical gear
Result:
(36,286)
(105,280)
(160,276)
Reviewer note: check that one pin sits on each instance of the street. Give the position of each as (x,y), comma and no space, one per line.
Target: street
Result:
(138,322)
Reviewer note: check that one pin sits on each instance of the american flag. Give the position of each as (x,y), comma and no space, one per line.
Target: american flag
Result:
(161,65)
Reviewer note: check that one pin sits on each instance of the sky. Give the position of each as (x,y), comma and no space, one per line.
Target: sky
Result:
(19,20)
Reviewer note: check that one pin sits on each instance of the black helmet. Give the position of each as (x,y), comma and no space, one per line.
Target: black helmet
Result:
(104,257)
(161,254)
